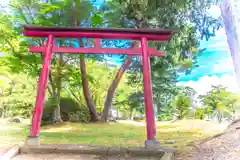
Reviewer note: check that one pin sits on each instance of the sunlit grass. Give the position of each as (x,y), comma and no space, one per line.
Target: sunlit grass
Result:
(174,135)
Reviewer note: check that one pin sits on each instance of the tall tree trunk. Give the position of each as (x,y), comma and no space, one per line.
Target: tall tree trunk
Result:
(86,91)
(87,94)
(132,113)
(57,109)
(230,10)
(112,88)
(56,115)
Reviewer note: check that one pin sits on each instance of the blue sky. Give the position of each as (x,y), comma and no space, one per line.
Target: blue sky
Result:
(216,60)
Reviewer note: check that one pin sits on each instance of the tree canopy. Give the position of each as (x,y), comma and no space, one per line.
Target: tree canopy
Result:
(89,80)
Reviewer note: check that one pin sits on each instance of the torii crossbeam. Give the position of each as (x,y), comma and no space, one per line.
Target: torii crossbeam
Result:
(100,33)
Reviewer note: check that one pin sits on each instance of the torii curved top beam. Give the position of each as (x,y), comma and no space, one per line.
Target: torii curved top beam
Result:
(105,33)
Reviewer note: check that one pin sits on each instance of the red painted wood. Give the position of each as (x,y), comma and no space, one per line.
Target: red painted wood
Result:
(97,44)
(98,31)
(149,112)
(128,36)
(43,81)
(133,51)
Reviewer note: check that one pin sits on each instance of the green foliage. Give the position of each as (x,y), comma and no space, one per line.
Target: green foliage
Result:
(59,13)
(166,113)
(136,101)
(99,77)
(180,54)
(80,116)
(97,20)
(219,102)
(17,98)
(188,17)
(182,105)
(128,97)
(69,109)
(200,113)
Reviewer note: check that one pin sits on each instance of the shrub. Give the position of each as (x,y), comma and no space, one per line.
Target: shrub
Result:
(200,113)
(165,117)
(17,108)
(69,108)
(138,118)
(79,117)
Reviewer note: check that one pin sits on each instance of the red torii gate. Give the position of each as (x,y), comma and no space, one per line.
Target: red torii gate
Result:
(142,35)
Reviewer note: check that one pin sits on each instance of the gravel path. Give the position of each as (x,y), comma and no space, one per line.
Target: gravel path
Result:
(222,147)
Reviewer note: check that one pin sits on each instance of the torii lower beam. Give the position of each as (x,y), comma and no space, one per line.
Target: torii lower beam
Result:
(133,51)
(141,35)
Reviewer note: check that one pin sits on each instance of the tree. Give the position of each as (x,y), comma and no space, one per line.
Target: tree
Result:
(24,12)
(128,98)
(185,17)
(17,95)
(219,102)
(113,87)
(182,105)
(183,101)
(58,13)
(99,77)
(78,11)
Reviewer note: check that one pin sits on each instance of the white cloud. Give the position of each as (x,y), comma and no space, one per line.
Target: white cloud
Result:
(222,44)
(223,65)
(204,84)
(215,11)
(220,36)
(4,2)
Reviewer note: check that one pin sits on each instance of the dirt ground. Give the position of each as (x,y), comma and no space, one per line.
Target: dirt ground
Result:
(53,157)
(225,146)
(77,157)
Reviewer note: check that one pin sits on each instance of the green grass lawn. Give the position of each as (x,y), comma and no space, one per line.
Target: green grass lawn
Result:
(179,134)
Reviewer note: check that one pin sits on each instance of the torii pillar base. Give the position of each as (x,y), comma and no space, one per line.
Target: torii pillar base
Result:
(32,141)
(151,144)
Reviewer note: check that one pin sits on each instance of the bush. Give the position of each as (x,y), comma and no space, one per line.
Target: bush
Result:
(80,116)
(15,108)
(138,118)
(48,110)
(166,114)
(190,115)
(165,117)
(69,108)
(16,120)
(17,96)
(200,113)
